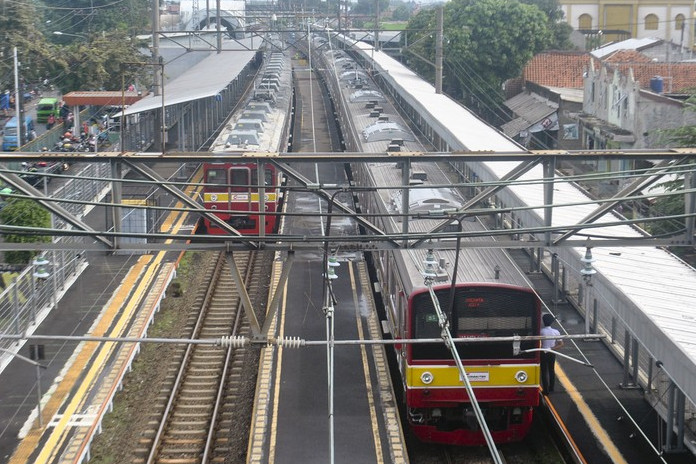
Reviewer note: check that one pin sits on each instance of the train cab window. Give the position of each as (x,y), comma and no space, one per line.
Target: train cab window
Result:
(239,179)
(216,176)
(478,313)
(267,178)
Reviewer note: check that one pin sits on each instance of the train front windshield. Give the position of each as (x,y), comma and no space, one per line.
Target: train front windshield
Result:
(237,178)
(479,312)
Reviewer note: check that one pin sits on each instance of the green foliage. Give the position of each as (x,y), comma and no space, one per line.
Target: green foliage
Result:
(29,214)
(674,205)
(367,7)
(94,16)
(103,36)
(18,26)
(401,13)
(96,64)
(486,42)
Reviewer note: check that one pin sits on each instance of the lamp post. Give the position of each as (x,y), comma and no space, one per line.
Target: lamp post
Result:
(39,366)
(39,274)
(587,272)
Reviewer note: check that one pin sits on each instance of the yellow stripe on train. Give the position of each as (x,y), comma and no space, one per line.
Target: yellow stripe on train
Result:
(479,376)
(223,197)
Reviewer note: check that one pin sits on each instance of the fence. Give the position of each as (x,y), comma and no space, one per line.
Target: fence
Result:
(30,295)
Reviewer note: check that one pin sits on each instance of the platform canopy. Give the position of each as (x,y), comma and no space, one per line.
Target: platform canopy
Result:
(101,98)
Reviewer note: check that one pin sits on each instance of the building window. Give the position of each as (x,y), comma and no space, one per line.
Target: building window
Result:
(679,22)
(585,22)
(651,22)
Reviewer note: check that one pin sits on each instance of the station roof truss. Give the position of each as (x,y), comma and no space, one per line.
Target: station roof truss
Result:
(667,162)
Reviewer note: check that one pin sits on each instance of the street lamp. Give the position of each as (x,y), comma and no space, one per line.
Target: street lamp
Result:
(39,274)
(587,272)
(38,366)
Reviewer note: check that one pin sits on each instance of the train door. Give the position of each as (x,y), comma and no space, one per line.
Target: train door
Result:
(239,181)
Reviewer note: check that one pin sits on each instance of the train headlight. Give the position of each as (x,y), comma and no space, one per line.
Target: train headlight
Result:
(427,378)
(521,376)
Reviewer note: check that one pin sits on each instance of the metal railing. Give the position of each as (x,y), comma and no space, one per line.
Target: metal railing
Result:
(27,299)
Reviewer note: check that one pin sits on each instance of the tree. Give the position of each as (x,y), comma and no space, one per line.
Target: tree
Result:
(486,42)
(18,23)
(96,64)
(674,204)
(96,16)
(401,12)
(29,214)
(560,29)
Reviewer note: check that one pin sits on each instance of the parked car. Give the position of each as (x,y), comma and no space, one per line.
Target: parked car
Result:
(47,106)
(9,138)
(33,171)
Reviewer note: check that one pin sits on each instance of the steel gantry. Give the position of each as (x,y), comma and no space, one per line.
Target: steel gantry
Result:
(667,162)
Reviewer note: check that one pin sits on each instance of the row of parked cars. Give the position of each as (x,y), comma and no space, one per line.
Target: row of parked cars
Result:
(46,108)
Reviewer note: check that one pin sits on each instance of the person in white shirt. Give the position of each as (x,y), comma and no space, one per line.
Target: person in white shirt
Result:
(548,358)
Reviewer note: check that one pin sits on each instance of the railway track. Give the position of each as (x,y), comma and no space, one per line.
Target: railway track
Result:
(194,416)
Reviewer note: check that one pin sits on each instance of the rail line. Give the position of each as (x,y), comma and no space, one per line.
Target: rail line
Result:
(194,417)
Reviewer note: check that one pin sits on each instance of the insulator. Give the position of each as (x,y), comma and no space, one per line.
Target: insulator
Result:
(290,342)
(234,341)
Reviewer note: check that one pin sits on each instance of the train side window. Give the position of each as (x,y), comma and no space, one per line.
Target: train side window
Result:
(239,179)
(267,178)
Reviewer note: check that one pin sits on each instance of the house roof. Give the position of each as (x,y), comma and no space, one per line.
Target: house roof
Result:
(628,44)
(627,56)
(557,69)
(677,77)
(530,108)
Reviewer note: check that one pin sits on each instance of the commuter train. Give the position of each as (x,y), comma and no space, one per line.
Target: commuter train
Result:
(486,296)
(263,124)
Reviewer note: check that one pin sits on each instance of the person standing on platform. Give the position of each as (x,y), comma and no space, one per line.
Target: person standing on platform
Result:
(548,358)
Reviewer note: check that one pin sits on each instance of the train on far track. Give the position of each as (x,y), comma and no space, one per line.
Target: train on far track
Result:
(481,291)
(240,193)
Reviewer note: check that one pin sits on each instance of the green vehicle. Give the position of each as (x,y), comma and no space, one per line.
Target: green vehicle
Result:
(46,107)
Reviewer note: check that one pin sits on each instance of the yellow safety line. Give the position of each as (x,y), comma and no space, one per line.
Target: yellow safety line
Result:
(58,434)
(596,428)
(366,369)
(133,346)
(31,441)
(57,437)
(276,393)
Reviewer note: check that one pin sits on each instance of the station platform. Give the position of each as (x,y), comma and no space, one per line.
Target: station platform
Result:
(609,423)
(115,295)
(291,420)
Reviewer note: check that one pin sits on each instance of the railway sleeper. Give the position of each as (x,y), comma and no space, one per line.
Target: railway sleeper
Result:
(199,431)
(184,416)
(179,460)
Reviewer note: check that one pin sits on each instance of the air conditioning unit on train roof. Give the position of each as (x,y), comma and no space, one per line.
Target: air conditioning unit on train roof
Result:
(418,175)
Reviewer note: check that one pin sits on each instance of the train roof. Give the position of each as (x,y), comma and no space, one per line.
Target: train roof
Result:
(481,263)
(260,125)
(476,265)
(658,283)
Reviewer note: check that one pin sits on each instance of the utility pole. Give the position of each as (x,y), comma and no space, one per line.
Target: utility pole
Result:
(155,45)
(18,102)
(376,45)
(158,74)
(438,50)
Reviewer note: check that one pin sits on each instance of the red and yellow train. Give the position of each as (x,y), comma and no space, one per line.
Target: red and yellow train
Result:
(263,124)
(232,190)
